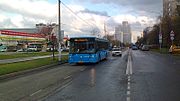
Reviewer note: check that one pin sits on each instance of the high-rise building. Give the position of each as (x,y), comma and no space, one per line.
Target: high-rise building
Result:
(170,7)
(126,29)
(123,33)
(118,33)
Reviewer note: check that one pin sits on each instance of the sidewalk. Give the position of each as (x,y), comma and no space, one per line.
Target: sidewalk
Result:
(35,86)
(25,59)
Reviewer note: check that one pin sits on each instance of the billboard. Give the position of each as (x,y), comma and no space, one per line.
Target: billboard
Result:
(6,35)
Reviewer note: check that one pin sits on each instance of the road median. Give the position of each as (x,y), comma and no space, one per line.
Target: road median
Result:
(20,68)
(15,55)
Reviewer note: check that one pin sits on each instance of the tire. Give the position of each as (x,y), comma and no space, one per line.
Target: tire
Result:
(99,58)
(106,57)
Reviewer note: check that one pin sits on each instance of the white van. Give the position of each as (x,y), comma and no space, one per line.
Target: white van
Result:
(32,48)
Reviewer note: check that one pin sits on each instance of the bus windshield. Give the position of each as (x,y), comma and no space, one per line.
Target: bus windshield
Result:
(82,46)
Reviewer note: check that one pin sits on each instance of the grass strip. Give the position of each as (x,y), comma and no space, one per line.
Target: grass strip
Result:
(23,55)
(163,50)
(15,67)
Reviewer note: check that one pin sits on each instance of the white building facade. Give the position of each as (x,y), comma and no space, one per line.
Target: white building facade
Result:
(126,29)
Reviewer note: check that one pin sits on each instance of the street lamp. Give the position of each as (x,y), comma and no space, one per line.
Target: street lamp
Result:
(59,30)
(160,34)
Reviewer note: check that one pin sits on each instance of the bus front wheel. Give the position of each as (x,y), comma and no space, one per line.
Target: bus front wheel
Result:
(99,58)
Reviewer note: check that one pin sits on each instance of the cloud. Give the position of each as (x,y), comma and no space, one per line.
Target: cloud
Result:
(94,12)
(145,7)
(39,9)
(27,13)
(7,23)
(132,3)
(139,13)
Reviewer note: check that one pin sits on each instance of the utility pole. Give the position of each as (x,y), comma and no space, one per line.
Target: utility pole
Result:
(105,30)
(160,35)
(59,30)
(52,38)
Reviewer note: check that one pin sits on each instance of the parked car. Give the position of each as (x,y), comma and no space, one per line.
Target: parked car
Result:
(174,49)
(32,48)
(65,49)
(3,48)
(116,52)
(145,48)
(134,47)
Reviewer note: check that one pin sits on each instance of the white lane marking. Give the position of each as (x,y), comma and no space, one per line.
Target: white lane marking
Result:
(129,66)
(128,98)
(128,93)
(82,69)
(129,87)
(129,80)
(64,86)
(129,73)
(67,77)
(36,92)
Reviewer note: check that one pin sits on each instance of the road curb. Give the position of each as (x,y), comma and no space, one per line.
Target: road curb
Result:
(28,71)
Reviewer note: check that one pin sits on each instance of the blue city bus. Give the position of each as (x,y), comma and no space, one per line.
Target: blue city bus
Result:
(87,49)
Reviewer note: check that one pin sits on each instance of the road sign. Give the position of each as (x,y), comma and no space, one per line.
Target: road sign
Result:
(172,38)
(160,36)
(172,33)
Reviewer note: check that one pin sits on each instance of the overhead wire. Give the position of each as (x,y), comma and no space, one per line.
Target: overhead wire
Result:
(76,14)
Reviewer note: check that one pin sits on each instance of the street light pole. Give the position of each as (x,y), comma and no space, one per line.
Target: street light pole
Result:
(105,32)
(59,29)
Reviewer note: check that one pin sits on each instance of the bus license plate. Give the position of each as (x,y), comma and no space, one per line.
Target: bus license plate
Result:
(80,62)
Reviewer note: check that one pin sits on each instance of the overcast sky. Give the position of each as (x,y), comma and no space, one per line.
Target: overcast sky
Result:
(94,13)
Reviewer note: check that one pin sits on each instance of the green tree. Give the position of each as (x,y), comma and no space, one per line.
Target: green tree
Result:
(176,29)
(153,36)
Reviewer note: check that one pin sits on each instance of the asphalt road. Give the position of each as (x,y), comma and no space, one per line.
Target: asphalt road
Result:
(105,81)
(136,76)
(154,77)
(34,86)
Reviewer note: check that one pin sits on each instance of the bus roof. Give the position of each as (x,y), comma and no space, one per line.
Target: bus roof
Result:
(99,39)
(82,37)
